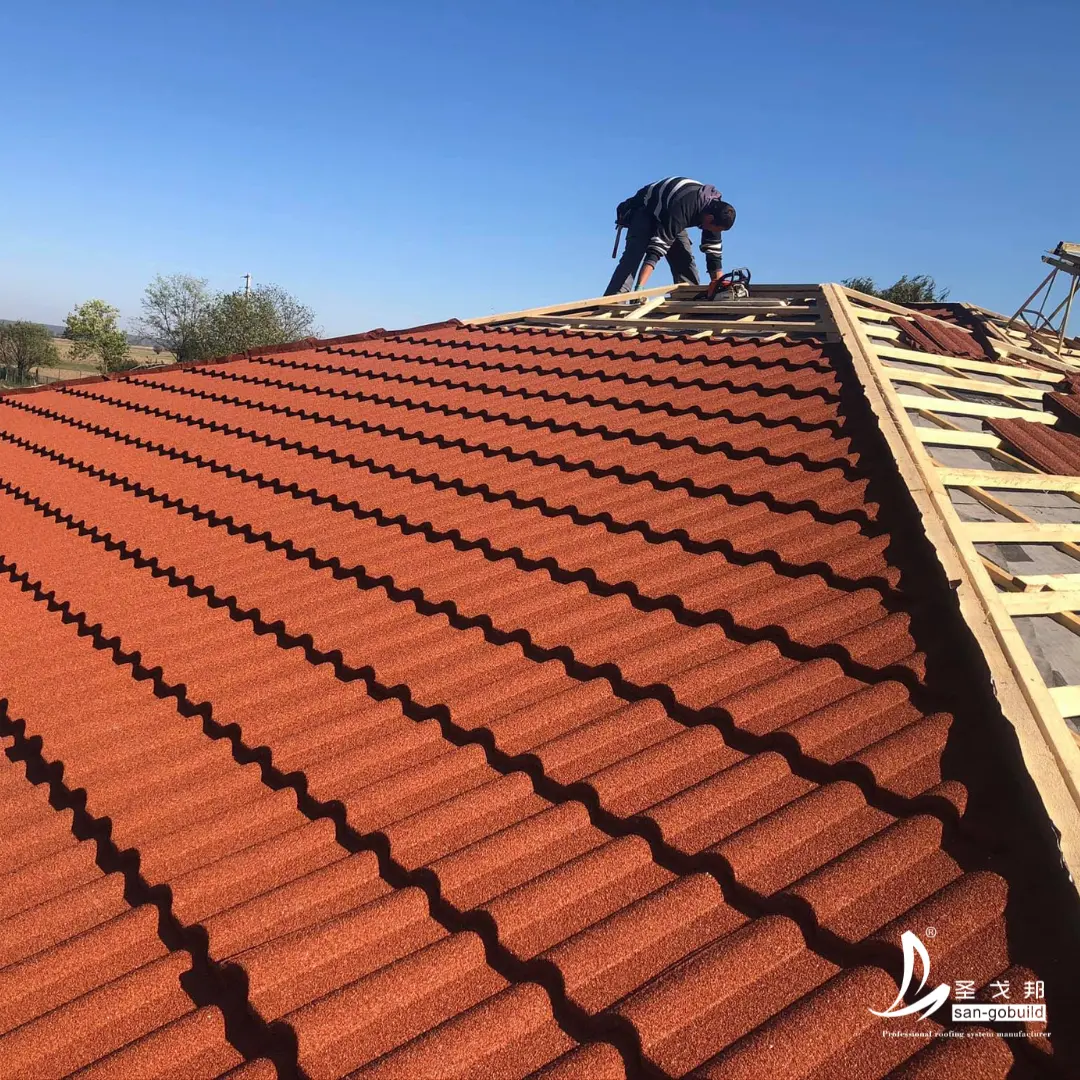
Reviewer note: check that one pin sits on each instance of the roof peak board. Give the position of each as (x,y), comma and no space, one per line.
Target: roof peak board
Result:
(1049,747)
(789,311)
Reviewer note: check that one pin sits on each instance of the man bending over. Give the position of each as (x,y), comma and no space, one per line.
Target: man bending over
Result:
(656,219)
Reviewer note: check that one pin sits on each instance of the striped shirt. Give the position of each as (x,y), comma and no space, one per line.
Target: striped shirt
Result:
(676,203)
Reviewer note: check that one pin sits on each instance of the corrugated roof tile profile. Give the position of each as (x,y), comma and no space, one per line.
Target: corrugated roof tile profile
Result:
(464,702)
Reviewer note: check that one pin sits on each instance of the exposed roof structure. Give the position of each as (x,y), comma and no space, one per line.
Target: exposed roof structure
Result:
(589,692)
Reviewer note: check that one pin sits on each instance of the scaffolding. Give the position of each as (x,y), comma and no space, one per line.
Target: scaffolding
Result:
(1065,260)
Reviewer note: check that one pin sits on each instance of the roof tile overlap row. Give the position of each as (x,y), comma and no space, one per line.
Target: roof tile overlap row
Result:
(512,702)
(85,976)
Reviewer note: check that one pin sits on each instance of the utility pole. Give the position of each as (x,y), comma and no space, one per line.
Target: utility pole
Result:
(247,284)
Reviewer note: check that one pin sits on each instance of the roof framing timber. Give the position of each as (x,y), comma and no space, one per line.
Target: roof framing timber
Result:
(786,310)
(986,367)
(989,596)
(955,382)
(1021,343)
(973,440)
(947,405)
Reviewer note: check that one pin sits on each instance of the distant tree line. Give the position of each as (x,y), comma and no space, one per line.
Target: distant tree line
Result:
(179,315)
(921,288)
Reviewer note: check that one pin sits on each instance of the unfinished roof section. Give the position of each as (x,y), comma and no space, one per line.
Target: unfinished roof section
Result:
(976,429)
(516,700)
(771,313)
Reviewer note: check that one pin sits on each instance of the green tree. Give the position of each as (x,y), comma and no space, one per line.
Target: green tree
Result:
(268,315)
(25,346)
(175,310)
(921,288)
(92,330)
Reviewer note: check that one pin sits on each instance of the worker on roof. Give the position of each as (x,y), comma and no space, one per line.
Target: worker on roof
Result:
(656,219)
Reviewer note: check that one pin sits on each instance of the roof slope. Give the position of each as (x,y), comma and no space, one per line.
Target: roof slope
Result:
(511,701)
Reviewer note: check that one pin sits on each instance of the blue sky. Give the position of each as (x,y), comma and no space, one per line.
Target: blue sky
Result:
(399,163)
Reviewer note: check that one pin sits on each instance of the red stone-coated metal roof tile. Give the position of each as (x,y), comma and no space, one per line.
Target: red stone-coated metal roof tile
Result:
(83,969)
(796,1044)
(980,1054)
(1067,407)
(466,701)
(190,1048)
(933,336)
(723,991)
(599,1060)
(258,1069)
(505,1035)
(1055,451)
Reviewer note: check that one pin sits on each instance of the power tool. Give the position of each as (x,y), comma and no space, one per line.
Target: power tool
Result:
(734,285)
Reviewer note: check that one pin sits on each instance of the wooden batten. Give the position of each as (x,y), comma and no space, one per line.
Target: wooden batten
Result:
(1041,602)
(1012,481)
(974,440)
(955,382)
(772,311)
(974,408)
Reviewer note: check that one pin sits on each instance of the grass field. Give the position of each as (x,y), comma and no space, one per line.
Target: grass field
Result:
(76,369)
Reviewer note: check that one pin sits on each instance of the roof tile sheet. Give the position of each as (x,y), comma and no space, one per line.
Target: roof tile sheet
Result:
(934,336)
(1057,452)
(85,977)
(467,702)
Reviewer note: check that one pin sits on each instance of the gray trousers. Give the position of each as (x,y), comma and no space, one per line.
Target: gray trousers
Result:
(680,256)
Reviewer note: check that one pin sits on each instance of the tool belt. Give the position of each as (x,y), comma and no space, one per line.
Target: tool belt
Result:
(625,211)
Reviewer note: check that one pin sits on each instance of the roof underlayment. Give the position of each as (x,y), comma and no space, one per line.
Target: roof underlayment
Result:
(597,691)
